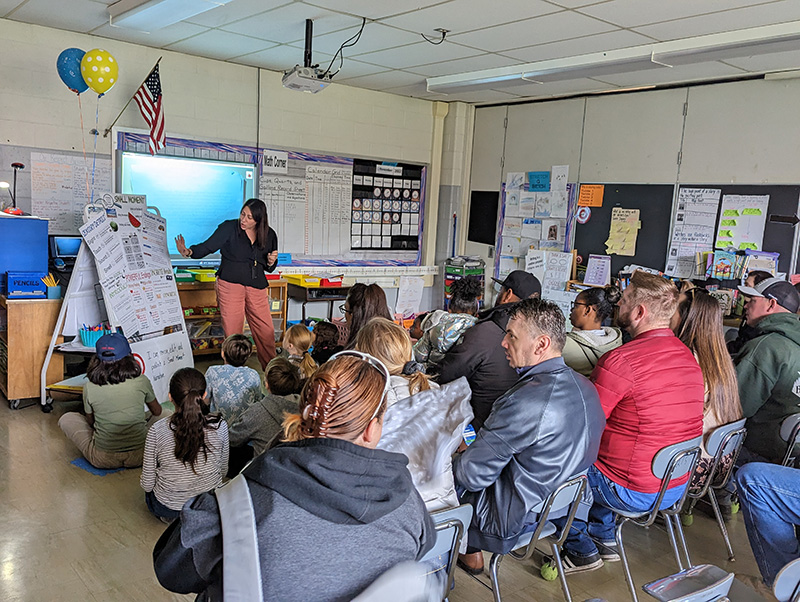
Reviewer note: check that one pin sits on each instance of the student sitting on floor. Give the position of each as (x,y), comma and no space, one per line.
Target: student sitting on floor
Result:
(186,453)
(262,422)
(332,513)
(297,340)
(326,342)
(443,329)
(589,339)
(233,387)
(111,434)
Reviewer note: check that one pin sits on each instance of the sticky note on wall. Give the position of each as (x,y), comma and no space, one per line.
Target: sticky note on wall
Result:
(730,213)
(728,222)
(751,211)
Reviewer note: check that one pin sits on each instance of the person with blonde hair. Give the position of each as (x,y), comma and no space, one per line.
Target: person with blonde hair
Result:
(296,342)
(327,489)
(423,421)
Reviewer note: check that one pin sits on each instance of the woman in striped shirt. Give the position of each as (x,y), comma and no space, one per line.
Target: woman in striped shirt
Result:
(185,454)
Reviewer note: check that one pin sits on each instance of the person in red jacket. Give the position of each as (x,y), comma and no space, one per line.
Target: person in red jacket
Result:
(652,392)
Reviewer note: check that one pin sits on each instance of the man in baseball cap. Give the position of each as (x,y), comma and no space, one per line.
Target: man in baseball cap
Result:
(479,355)
(768,367)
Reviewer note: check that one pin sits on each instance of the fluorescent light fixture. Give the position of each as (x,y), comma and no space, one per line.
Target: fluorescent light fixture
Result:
(5,185)
(150,15)
(715,47)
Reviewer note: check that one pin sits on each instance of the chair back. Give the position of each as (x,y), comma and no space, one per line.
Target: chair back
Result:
(451,527)
(787,583)
(405,582)
(790,432)
(701,583)
(723,441)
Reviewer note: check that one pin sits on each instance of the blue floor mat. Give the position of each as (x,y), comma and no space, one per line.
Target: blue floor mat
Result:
(100,472)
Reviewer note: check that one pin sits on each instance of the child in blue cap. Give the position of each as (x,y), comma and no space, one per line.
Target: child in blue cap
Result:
(112,430)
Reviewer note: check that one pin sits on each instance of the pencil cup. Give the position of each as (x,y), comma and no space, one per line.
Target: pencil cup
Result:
(89,337)
(54,292)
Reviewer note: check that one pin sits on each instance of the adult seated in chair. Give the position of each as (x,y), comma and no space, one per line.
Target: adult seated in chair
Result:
(652,393)
(770,498)
(768,367)
(543,431)
(478,355)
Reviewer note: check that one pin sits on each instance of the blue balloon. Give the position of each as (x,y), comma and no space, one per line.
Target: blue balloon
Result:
(68,66)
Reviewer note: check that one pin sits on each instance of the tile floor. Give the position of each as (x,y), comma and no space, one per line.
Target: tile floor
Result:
(68,535)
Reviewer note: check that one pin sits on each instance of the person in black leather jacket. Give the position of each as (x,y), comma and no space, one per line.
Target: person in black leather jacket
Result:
(542,432)
(479,356)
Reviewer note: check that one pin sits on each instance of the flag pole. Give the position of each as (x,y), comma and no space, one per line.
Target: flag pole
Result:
(108,129)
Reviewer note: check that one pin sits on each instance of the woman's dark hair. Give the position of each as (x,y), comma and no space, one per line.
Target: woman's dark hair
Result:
(464,295)
(364,302)
(325,335)
(283,377)
(758,276)
(237,349)
(112,373)
(259,211)
(603,299)
(187,388)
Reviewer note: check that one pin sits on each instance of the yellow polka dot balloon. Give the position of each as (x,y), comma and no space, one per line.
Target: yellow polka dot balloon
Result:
(99,70)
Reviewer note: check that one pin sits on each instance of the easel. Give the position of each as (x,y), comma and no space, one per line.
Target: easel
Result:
(86,302)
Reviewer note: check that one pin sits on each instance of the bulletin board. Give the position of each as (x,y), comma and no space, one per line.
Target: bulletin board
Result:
(316,203)
(654,202)
(783,200)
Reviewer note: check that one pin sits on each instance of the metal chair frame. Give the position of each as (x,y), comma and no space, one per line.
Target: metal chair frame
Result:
(724,440)
(669,463)
(790,432)
(567,495)
(459,528)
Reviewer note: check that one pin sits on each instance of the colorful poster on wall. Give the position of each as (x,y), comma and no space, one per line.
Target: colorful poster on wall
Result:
(591,195)
(742,221)
(692,230)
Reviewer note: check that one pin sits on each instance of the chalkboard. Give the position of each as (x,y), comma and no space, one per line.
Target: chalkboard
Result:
(483,216)
(654,202)
(783,200)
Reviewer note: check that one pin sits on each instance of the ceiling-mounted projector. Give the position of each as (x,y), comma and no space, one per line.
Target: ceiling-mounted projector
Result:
(306,79)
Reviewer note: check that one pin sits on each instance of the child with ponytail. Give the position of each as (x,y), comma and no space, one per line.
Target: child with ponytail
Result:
(296,342)
(187,453)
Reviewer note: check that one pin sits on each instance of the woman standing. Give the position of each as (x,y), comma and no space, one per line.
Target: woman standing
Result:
(249,247)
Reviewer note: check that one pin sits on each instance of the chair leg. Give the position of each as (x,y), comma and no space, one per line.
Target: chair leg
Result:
(561,575)
(493,564)
(715,505)
(679,528)
(673,543)
(624,557)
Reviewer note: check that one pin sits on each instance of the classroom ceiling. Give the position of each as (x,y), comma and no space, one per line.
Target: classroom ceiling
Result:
(392,55)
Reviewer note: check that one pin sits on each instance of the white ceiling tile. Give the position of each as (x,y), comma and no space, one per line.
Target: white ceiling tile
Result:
(549,28)
(612,40)
(72,15)
(371,9)
(768,62)
(474,63)
(374,37)
(6,6)
(218,44)
(631,13)
(353,68)
(420,53)
(576,3)
(743,18)
(573,86)
(234,11)
(280,58)
(678,74)
(467,15)
(156,39)
(288,23)
(384,80)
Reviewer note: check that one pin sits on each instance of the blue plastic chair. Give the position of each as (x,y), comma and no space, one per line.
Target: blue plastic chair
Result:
(451,526)
(671,462)
(787,583)
(567,496)
(701,583)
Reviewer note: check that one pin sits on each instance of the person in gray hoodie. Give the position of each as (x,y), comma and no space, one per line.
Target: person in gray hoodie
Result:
(589,340)
(325,494)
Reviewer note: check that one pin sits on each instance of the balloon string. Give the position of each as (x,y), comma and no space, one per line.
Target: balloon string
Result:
(83,141)
(94,152)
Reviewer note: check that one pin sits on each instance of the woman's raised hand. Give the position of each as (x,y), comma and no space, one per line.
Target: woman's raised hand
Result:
(273,258)
(181,244)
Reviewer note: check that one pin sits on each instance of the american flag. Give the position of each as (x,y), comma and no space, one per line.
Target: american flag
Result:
(148,97)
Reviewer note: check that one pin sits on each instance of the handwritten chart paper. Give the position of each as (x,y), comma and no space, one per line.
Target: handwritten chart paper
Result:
(591,195)
(692,230)
(559,176)
(622,234)
(58,188)
(742,221)
(409,295)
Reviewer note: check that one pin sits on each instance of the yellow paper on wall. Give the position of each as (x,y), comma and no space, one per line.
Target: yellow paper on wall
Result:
(624,229)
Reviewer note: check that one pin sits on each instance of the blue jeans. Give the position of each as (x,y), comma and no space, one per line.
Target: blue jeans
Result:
(158,509)
(608,495)
(770,498)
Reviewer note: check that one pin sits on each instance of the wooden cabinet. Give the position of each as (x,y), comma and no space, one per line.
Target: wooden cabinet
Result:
(26,327)
(199,295)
